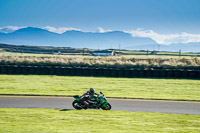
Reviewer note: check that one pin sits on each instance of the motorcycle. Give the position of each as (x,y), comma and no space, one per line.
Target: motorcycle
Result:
(98,102)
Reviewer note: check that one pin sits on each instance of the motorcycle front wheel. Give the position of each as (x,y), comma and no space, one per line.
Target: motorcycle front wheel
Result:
(108,107)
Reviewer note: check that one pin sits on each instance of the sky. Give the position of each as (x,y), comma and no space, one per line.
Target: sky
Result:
(165,21)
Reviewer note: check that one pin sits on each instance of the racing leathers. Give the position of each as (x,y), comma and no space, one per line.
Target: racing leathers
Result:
(86,99)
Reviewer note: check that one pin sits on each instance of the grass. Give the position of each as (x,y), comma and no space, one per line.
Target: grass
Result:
(132,54)
(74,121)
(144,52)
(174,89)
(177,53)
(127,62)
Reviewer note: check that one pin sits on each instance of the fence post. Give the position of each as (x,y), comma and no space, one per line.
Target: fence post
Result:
(45,70)
(107,72)
(93,72)
(25,70)
(141,73)
(121,73)
(156,73)
(4,69)
(18,70)
(192,74)
(185,74)
(163,73)
(11,70)
(79,71)
(86,72)
(134,73)
(170,73)
(32,70)
(177,73)
(52,70)
(198,74)
(100,72)
(149,73)
(0,69)
(114,72)
(66,71)
(58,70)
(128,73)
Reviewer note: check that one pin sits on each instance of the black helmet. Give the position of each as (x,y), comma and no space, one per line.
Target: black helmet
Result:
(91,91)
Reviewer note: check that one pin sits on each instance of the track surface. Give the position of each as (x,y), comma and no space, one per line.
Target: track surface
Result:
(174,107)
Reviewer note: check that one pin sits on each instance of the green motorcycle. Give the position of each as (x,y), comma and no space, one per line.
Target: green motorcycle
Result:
(99,101)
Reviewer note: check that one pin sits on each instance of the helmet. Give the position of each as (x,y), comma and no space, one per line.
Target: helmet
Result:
(91,91)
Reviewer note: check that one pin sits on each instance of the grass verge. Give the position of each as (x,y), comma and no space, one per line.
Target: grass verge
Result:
(54,120)
(119,62)
(173,89)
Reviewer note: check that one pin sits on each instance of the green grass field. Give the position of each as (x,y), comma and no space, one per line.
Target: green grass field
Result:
(131,54)
(174,89)
(74,121)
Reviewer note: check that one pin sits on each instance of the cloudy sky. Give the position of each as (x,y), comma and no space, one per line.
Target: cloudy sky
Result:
(165,21)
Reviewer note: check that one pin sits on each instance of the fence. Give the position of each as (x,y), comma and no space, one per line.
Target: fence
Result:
(67,71)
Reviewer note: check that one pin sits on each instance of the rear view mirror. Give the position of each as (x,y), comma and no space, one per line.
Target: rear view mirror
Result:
(101,93)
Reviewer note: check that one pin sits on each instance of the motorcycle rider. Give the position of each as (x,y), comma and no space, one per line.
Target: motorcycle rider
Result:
(87,96)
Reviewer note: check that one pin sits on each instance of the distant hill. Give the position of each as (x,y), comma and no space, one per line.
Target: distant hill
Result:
(75,39)
(42,49)
(78,39)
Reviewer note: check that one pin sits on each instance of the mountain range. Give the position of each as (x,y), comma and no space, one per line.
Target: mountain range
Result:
(78,39)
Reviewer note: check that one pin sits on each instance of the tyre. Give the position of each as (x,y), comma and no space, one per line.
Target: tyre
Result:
(108,107)
(77,105)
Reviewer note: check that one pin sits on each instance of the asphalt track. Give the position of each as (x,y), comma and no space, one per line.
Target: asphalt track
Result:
(161,106)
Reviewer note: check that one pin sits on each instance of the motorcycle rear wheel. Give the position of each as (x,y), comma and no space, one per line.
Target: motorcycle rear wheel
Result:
(77,105)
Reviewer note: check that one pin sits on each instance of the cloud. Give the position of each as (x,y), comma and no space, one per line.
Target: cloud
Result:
(59,30)
(10,29)
(166,38)
(101,30)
